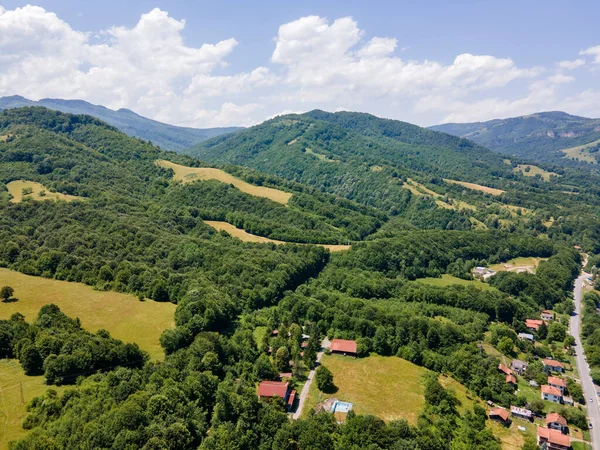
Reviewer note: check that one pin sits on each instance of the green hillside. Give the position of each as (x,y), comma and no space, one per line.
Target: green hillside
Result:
(538,137)
(169,137)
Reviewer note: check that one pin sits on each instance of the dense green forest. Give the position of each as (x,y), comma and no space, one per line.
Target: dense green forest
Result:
(136,230)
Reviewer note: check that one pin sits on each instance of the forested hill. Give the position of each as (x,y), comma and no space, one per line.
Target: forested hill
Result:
(169,137)
(539,137)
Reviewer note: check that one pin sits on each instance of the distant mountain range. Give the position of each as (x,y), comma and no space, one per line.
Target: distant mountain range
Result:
(551,137)
(169,137)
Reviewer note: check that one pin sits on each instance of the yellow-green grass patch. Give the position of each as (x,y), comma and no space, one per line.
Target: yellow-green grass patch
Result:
(387,387)
(518,264)
(4,138)
(38,192)
(189,174)
(122,315)
(581,152)
(476,187)
(320,156)
(243,235)
(511,437)
(13,408)
(478,224)
(529,170)
(448,280)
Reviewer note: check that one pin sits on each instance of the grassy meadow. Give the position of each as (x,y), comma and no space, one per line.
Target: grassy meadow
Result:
(188,174)
(529,170)
(448,280)
(123,315)
(580,152)
(38,192)
(477,187)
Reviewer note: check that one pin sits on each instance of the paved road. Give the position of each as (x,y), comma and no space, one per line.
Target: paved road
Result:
(584,372)
(311,375)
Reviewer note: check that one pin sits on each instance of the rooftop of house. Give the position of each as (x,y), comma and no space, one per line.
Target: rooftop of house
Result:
(343,345)
(500,412)
(554,436)
(555,381)
(503,368)
(273,389)
(511,379)
(556,418)
(520,411)
(552,363)
(518,363)
(550,390)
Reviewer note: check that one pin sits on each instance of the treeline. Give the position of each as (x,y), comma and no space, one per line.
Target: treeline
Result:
(56,346)
(590,332)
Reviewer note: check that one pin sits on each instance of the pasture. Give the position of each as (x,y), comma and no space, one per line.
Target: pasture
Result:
(518,265)
(189,174)
(13,408)
(243,235)
(37,192)
(123,315)
(421,190)
(388,387)
(529,170)
(477,187)
(581,152)
(448,280)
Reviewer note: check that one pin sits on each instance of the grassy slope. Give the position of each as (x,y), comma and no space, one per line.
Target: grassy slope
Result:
(448,280)
(123,315)
(15,188)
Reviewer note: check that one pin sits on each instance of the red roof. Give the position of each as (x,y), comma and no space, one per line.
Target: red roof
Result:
(554,436)
(556,418)
(533,323)
(292,397)
(552,363)
(273,389)
(550,390)
(503,368)
(500,412)
(511,379)
(555,381)
(343,345)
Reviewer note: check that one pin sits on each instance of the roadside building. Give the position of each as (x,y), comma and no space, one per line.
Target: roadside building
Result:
(558,383)
(547,315)
(500,415)
(521,413)
(343,347)
(555,421)
(518,366)
(568,401)
(553,439)
(551,394)
(550,365)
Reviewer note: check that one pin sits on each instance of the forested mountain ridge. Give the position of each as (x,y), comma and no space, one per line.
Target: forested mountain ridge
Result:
(169,137)
(538,137)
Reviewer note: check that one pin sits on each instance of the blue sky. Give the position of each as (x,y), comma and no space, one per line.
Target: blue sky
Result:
(238,63)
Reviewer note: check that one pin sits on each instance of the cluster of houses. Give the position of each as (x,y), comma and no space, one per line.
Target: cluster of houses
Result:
(282,389)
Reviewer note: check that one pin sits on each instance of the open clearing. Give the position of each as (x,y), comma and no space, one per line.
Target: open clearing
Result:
(581,152)
(529,170)
(388,387)
(188,174)
(518,265)
(421,190)
(319,156)
(448,280)
(243,235)
(123,315)
(12,410)
(477,187)
(38,192)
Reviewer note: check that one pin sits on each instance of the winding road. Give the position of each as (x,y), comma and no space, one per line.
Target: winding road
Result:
(311,375)
(589,390)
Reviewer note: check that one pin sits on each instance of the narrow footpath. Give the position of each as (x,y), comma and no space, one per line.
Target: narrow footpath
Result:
(311,375)
(589,390)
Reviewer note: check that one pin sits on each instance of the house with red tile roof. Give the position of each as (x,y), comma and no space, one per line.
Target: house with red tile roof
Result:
(553,439)
(500,415)
(555,421)
(553,365)
(281,389)
(533,324)
(343,347)
(547,315)
(510,379)
(558,383)
(504,369)
(551,394)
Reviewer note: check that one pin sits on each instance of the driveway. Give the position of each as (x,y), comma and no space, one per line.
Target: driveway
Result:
(589,389)
(311,375)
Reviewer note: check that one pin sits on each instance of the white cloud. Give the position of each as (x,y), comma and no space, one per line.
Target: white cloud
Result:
(570,65)
(592,51)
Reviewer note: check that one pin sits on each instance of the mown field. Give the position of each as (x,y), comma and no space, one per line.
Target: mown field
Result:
(13,407)
(448,280)
(518,264)
(243,235)
(477,187)
(188,174)
(38,192)
(123,315)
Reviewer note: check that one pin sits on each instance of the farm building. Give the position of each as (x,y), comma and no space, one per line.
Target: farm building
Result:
(521,413)
(526,337)
(518,366)
(281,389)
(555,421)
(553,366)
(500,415)
(343,347)
(558,383)
(547,315)
(551,394)
(553,439)
(502,368)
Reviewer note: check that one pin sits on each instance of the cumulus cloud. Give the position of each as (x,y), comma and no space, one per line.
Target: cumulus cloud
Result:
(592,51)
(570,65)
